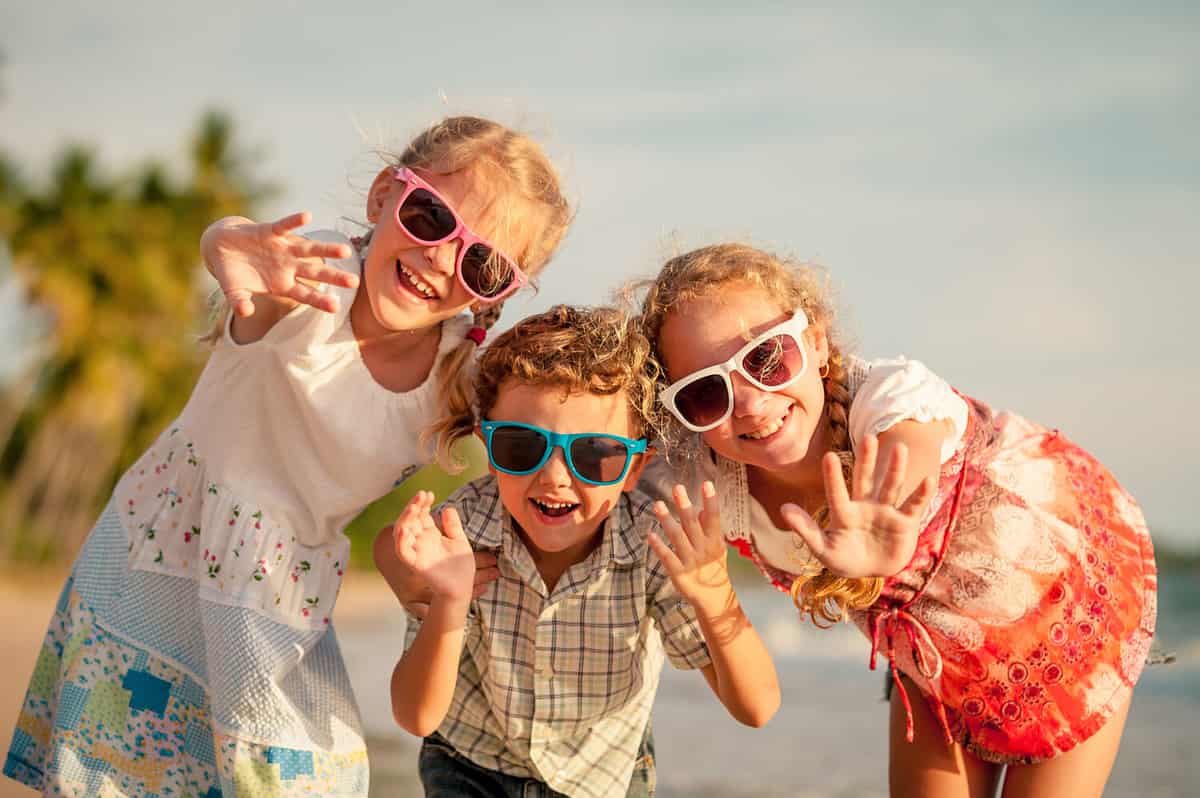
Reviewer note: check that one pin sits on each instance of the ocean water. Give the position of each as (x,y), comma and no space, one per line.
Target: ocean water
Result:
(829,739)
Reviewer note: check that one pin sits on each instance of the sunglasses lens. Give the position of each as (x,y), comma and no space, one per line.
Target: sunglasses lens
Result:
(485,272)
(704,401)
(598,458)
(425,217)
(516,448)
(776,361)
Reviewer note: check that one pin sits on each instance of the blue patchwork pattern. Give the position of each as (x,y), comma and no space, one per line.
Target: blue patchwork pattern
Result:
(64,598)
(148,691)
(292,763)
(188,692)
(71,703)
(21,745)
(198,742)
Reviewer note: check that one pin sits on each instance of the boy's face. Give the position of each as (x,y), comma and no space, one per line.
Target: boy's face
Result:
(554,511)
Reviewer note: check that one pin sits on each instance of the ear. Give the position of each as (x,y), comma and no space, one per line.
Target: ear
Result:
(635,469)
(478,432)
(819,342)
(381,186)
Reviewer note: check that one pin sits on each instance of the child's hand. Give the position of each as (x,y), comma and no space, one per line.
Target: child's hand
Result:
(696,560)
(872,531)
(266,258)
(443,558)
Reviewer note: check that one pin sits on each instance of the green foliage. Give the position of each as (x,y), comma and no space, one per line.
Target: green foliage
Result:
(113,265)
(384,512)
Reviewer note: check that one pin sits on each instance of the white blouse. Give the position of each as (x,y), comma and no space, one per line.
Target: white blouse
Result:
(283,442)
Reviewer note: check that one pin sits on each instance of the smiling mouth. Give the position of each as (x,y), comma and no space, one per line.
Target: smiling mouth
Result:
(767,430)
(418,286)
(553,509)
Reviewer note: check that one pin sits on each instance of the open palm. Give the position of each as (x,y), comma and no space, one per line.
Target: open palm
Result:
(872,529)
(442,557)
(268,258)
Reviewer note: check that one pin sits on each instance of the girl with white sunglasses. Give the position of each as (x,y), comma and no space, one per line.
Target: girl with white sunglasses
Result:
(1005,576)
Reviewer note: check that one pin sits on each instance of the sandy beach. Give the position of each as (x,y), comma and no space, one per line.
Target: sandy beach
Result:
(828,740)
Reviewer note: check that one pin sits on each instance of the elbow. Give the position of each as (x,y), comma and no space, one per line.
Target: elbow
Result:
(416,723)
(759,713)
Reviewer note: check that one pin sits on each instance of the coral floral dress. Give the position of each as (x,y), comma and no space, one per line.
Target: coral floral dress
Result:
(1027,612)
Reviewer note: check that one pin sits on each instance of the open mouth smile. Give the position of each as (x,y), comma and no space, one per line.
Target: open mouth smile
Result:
(553,509)
(410,280)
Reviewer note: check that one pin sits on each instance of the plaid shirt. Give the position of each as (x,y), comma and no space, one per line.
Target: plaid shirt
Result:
(558,687)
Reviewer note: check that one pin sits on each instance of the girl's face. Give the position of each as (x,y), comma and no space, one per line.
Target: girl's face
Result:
(770,430)
(556,513)
(411,286)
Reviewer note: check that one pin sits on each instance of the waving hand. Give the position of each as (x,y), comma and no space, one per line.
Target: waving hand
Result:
(872,529)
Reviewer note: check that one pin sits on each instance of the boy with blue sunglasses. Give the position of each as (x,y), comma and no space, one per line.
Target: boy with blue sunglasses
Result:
(543,684)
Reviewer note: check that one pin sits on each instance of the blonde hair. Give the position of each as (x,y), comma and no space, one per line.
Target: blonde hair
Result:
(793,285)
(574,349)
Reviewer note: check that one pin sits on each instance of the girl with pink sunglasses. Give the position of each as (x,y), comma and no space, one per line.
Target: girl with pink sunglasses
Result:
(1002,572)
(192,651)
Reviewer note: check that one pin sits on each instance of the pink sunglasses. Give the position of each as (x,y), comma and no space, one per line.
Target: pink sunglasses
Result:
(427,218)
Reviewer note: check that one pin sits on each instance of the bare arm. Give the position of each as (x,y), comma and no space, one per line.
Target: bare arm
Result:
(741,674)
(422,684)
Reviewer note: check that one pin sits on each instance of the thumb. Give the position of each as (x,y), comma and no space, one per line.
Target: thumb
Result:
(452,524)
(240,302)
(803,525)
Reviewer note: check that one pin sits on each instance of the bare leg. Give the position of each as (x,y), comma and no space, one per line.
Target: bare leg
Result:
(928,767)
(1081,772)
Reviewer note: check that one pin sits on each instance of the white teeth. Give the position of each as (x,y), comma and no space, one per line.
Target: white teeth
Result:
(763,432)
(554,505)
(416,282)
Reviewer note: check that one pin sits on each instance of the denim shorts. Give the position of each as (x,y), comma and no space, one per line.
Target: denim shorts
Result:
(445,773)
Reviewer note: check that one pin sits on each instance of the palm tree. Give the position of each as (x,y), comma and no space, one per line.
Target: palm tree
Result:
(113,266)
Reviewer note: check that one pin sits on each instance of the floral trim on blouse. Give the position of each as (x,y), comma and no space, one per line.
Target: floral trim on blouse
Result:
(182,523)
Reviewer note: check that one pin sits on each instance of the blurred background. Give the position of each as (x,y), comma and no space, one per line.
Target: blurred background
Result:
(1009,194)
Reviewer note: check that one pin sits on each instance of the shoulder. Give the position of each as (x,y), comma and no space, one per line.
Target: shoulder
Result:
(898,389)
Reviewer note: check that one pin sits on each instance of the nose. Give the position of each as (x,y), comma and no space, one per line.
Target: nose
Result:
(442,256)
(555,472)
(748,399)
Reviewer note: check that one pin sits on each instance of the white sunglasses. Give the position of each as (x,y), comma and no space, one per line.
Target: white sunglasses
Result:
(772,361)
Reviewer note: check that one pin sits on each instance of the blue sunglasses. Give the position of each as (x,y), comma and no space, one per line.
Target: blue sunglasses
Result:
(597,458)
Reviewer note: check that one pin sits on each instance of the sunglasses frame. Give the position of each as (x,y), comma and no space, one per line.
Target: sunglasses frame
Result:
(795,327)
(562,440)
(413,181)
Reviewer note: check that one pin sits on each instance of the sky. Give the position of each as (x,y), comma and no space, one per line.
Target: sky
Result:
(1007,192)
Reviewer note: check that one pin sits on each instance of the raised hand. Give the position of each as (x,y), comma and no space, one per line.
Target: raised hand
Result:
(249,258)
(441,557)
(872,529)
(696,559)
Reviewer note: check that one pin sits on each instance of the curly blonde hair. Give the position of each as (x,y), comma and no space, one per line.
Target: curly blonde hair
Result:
(574,349)
(705,272)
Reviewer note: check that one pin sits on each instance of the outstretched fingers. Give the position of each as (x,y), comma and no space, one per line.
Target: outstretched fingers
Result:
(917,502)
(311,296)
(893,478)
(292,221)
(805,526)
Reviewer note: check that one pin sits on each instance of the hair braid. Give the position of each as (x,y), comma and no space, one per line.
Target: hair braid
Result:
(456,386)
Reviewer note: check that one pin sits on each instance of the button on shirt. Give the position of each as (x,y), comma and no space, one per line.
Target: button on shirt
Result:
(558,685)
